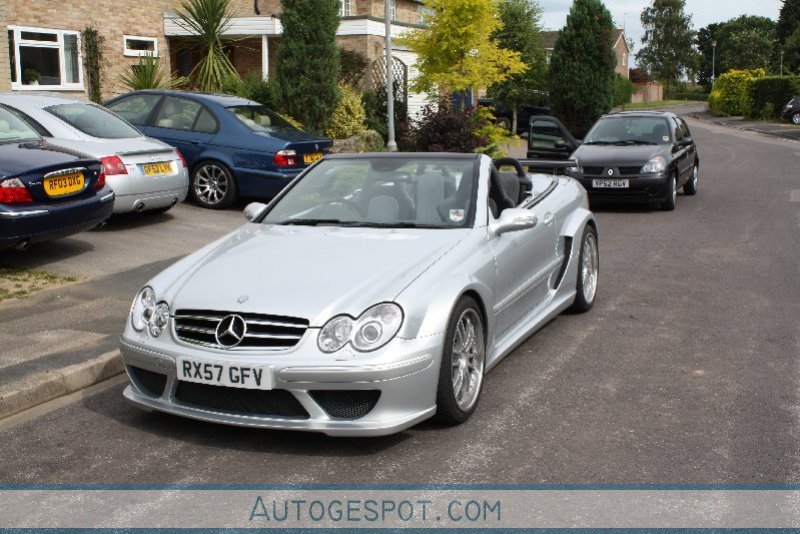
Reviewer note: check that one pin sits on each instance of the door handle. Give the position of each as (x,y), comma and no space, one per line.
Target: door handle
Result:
(194,142)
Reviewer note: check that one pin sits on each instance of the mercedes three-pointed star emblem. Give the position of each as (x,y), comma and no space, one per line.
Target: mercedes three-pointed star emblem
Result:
(231,331)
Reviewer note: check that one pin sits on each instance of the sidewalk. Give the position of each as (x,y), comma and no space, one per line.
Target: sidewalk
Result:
(64,339)
(782,130)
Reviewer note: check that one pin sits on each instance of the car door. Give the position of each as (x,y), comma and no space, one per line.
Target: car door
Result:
(548,138)
(137,109)
(526,262)
(185,124)
(683,150)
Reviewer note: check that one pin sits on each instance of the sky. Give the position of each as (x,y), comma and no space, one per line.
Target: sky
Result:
(626,13)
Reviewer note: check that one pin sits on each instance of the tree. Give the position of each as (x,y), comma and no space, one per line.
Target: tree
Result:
(581,79)
(638,75)
(457,52)
(788,20)
(668,39)
(307,61)
(521,32)
(207,21)
(744,43)
(791,59)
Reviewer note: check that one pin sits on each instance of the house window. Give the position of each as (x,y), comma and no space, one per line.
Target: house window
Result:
(44,59)
(393,9)
(134,46)
(423,13)
(346,7)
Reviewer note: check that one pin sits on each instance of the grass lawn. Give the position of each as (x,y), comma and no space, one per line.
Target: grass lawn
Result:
(19,282)
(658,104)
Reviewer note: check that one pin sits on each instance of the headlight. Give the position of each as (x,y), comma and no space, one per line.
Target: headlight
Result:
(657,165)
(372,330)
(146,313)
(577,168)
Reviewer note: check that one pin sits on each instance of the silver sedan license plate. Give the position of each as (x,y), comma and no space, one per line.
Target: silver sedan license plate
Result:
(606,183)
(224,374)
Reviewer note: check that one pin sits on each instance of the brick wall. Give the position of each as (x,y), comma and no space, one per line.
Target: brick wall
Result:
(5,66)
(623,58)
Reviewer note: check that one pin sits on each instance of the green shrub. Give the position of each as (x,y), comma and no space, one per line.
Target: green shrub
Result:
(375,107)
(623,90)
(348,117)
(443,128)
(690,95)
(150,73)
(733,92)
(771,93)
(252,87)
(353,67)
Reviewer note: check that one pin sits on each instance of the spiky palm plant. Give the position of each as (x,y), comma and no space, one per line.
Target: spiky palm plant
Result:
(206,21)
(150,73)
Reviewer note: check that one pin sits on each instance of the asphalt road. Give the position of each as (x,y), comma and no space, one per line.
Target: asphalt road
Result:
(686,371)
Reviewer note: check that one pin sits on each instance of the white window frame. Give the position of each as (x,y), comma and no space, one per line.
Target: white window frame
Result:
(127,52)
(423,12)
(58,44)
(346,8)
(393,9)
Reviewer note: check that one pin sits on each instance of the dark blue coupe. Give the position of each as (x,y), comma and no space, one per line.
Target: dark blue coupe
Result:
(233,146)
(45,191)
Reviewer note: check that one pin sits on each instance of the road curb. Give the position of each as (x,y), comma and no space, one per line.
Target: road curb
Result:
(745,128)
(43,387)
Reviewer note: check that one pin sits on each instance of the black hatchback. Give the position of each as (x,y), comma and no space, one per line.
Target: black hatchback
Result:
(644,156)
(791,111)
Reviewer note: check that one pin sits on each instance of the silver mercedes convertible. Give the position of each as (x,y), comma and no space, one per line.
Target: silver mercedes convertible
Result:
(376,291)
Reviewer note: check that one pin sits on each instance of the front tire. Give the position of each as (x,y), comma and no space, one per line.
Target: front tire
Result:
(212,185)
(690,187)
(668,204)
(588,272)
(796,118)
(462,367)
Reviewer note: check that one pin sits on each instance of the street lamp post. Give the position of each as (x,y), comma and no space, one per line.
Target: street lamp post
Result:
(391,144)
(781,62)
(713,62)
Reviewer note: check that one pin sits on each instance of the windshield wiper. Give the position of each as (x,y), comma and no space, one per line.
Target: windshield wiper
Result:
(313,222)
(634,142)
(398,224)
(598,143)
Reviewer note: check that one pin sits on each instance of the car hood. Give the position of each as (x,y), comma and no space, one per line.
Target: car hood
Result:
(313,273)
(100,148)
(612,155)
(19,158)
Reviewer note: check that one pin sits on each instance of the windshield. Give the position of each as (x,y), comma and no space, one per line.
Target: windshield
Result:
(396,192)
(260,118)
(13,129)
(629,130)
(94,121)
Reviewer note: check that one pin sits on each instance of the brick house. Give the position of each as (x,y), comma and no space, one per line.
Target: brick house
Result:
(621,49)
(45,36)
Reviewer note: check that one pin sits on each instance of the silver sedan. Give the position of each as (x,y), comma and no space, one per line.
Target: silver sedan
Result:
(145,173)
(376,291)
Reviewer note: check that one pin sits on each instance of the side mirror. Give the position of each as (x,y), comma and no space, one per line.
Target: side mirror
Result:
(561,144)
(513,220)
(254,210)
(686,141)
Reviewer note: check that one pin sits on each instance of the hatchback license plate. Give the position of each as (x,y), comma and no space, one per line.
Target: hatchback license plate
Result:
(610,184)
(311,158)
(65,184)
(224,374)
(164,167)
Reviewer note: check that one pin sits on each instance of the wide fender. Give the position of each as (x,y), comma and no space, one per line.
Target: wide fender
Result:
(575,223)
(429,314)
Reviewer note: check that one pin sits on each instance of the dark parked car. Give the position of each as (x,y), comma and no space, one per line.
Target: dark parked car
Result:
(504,115)
(233,146)
(644,156)
(791,111)
(46,192)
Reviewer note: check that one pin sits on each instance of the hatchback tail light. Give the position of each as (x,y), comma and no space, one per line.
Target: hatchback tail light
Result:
(183,160)
(285,158)
(101,179)
(13,191)
(113,165)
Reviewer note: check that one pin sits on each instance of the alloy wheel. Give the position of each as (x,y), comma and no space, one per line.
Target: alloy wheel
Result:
(589,268)
(211,184)
(467,359)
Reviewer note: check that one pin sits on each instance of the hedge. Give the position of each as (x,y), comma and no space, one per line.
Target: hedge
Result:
(733,92)
(771,93)
(692,95)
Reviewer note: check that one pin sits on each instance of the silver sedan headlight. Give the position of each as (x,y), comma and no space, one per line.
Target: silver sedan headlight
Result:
(149,314)
(657,165)
(371,331)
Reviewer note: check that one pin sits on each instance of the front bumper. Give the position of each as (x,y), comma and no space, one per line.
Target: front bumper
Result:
(642,188)
(36,222)
(391,390)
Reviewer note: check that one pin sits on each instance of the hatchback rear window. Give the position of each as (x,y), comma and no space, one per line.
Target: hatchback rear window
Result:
(94,121)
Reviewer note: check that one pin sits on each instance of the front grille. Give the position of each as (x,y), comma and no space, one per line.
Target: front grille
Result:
(630,171)
(273,403)
(593,170)
(346,404)
(263,331)
(153,383)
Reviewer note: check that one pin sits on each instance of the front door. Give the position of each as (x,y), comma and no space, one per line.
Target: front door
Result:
(549,139)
